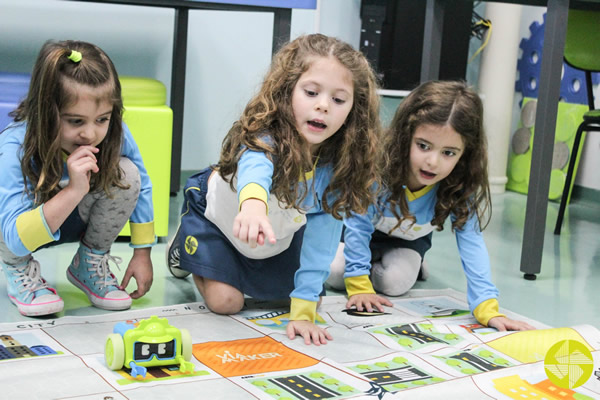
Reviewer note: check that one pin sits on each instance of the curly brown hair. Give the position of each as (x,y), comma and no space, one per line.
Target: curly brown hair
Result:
(351,151)
(50,91)
(466,190)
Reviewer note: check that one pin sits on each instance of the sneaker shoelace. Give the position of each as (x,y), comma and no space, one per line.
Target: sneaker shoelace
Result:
(174,258)
(29,277)
(99,268)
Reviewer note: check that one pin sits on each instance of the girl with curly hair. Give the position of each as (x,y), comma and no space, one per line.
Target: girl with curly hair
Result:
(267,219)
(433,166)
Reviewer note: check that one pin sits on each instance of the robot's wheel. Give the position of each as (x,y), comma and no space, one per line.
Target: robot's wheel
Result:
(186,344)
(114,352)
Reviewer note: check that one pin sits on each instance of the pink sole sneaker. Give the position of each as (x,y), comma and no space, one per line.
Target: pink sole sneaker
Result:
(113,301)
(43,305)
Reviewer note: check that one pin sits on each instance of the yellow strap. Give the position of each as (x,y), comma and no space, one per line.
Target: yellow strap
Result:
(358,285)
(33,229)
(253,191)
(487,310)
(303,310)
(142,233)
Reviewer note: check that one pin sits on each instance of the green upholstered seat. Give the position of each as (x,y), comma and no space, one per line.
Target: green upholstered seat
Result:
(151,123)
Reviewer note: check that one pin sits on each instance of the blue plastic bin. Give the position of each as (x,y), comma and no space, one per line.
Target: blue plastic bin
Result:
(13,89)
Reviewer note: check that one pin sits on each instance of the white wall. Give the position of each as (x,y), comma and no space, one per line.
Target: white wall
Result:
(26,24)
(227,56)
(228,52)
(224,72)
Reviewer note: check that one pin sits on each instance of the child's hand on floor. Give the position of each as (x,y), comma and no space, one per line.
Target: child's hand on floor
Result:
(252,224)
(507,324)
(140,268)
(369,302)
(309,331)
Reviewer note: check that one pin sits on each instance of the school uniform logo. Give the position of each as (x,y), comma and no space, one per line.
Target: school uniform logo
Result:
(191,245)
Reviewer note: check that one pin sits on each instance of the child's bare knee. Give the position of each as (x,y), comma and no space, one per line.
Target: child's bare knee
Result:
(220,297)
(225,305)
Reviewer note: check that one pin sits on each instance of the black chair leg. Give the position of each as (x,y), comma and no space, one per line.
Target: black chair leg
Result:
(567,188)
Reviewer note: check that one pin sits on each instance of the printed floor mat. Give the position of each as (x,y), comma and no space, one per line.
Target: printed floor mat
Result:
(427,346)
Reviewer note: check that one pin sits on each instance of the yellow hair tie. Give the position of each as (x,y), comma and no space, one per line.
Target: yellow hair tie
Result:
(75,56)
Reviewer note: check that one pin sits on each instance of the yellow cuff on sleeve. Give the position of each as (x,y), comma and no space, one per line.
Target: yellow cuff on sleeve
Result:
(142,233)
(33,229)
(253,191)
(358,285)
(303,310)
(487,310)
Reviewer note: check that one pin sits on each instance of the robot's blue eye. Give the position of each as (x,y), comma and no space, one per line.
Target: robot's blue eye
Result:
(145,351)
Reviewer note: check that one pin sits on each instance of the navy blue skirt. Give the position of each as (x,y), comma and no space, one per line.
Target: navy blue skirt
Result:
(206,251)
(382,242)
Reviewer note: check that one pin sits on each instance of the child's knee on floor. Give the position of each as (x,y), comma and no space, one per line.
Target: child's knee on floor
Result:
(220,297)
(397,272)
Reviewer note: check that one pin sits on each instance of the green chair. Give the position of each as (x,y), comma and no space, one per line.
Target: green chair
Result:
(582,51)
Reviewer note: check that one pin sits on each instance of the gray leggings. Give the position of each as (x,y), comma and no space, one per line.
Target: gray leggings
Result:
(102,218)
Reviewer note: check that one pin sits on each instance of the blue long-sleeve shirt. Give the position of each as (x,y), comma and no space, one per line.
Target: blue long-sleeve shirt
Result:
(321,235)
(24,227)
(471,246)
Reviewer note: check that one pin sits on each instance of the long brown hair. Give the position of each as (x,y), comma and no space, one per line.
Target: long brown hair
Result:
(49,93)
(351,151)
(466,190)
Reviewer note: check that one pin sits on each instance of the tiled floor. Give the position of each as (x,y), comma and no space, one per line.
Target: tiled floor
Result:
(564,294)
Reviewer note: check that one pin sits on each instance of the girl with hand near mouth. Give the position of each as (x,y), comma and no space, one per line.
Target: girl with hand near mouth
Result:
(72,173)
(266,220)
(433,166)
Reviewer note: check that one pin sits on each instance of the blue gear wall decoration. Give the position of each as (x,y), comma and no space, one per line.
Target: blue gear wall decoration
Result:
(572,87)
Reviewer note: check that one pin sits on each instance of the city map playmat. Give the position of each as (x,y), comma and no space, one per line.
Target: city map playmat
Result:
(425,347)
